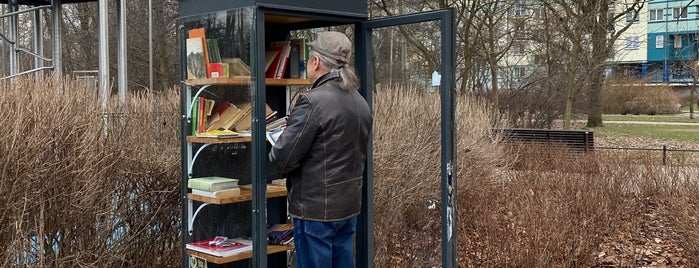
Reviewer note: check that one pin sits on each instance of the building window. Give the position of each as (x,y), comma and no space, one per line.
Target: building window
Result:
(678,41)
(632,42)
(517,49)
(518,9)
(631,16)
(655,15)
(518,71)
(679,13)
(538,13)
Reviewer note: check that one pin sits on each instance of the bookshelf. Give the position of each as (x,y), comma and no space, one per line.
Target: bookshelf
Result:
(243,30)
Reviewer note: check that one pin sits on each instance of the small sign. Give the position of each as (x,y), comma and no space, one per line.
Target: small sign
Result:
(436,79)
(197,262)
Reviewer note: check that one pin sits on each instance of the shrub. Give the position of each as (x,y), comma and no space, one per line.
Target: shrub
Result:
(637,97)
(84,186)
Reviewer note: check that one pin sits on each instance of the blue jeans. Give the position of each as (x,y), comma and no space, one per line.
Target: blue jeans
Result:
(324,244)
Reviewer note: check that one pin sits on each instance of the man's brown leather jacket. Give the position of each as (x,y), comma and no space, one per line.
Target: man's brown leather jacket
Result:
(322,151)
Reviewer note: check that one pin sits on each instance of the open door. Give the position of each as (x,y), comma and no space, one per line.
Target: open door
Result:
(439,25)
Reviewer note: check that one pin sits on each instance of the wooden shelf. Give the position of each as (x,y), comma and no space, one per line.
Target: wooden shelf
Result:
(240,256)
(219,140)
(245,195)
(245,80)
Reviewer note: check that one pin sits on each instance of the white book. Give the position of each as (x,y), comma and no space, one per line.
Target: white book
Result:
(218,194)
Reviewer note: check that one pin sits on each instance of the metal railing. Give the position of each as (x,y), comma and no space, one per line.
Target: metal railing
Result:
(13,43)
(664,151)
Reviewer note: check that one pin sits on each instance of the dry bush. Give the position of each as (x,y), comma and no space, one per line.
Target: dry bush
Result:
(407,170)
(84,188)
(636,97)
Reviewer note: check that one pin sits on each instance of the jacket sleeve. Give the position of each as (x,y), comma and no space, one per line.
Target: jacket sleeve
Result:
(296,140)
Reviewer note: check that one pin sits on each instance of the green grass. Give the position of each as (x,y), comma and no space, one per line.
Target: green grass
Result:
(653,118)
(663,132)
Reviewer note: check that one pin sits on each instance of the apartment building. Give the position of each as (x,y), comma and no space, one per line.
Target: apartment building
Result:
(661,45)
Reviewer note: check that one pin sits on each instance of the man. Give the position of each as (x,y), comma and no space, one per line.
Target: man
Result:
(322,153)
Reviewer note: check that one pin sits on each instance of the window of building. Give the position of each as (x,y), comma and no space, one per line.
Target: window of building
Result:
(632,42)
(538,12)
(678,41)
(679,12)
(631,16)
(518,72)
(655,15)
(517,49)
(518,9)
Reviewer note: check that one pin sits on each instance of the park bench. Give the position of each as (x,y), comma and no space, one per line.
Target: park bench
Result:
(574,140)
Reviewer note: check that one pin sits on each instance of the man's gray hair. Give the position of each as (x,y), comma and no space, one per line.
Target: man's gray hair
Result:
(349,78)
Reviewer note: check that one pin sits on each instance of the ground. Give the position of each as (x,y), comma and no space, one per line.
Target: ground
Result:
(654,242)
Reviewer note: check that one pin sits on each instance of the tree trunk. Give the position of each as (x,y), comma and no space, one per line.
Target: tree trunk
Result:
(600,52)
(571,87)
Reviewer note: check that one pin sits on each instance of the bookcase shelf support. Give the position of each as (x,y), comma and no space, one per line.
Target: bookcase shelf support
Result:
(191,105)
(191,217)
(194,158)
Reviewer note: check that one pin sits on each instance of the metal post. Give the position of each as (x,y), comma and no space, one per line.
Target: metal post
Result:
(57,33)
(38,43)
(103,53)
(13,37)
(121,13)
(2,45)
(664,155)
(150,46)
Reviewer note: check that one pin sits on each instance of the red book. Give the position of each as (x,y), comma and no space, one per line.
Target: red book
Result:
(273,63)
(221,246)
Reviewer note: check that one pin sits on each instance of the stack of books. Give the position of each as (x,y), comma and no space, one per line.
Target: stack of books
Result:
(280,234)
(223,120)
(214,187)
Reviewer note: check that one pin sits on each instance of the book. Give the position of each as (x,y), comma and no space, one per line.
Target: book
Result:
(237,67)
(220,117)
(218,194)
(221,246)
(212,184)
(298,58)
(212,48)
(195,116)
(272,57)
(280,234)
(273,135)
(283,58)
(200,33)
(218,133)
(277,123)
(245,122)
(196,63)
(202,115)
(219,70)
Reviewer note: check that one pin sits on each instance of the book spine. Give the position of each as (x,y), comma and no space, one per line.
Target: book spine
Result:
(200,124)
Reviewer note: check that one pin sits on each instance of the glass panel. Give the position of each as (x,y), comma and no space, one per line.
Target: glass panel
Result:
(407,145)
(220,64)
(229,33)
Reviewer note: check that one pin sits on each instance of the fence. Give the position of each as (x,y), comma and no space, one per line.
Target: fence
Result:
(664,153)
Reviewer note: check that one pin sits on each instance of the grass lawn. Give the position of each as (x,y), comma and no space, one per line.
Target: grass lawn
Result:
(663,132)
(653,118)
